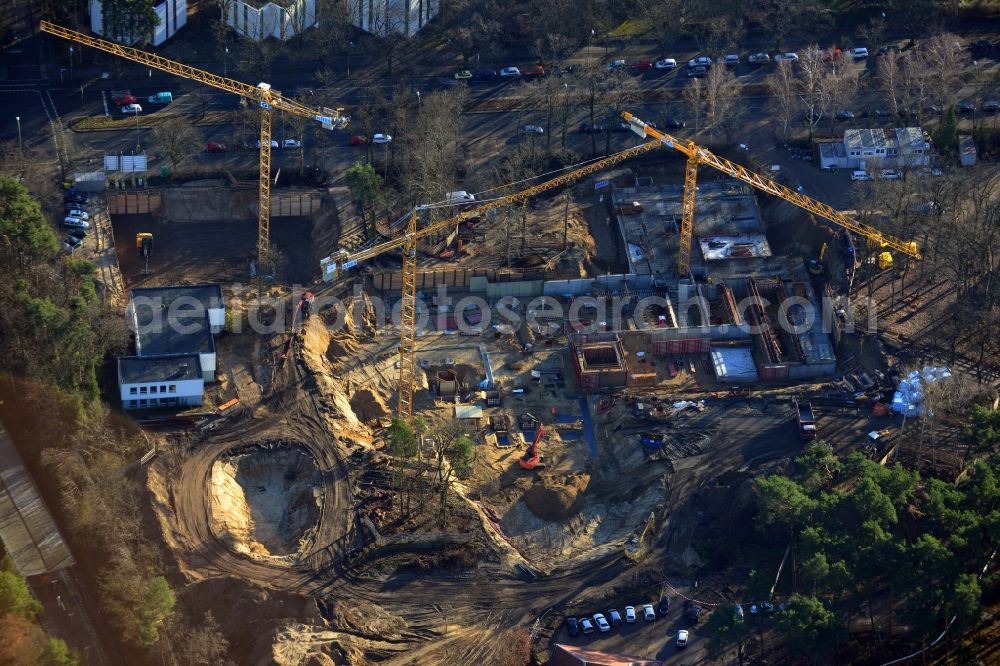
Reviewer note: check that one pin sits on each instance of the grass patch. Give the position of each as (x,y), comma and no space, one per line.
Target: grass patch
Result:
(97,123)
(630,28)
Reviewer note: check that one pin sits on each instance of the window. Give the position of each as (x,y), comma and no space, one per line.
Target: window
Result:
(143,390)
(173,388)
(143,402)
(133,391)
(152,389)
(163,388)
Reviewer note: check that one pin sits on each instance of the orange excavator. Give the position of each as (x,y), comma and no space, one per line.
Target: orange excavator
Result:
(531,459)
(305,307)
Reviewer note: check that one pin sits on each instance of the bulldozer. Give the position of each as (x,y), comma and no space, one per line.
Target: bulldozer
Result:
(144,248)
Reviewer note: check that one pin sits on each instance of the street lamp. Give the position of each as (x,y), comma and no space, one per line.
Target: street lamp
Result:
(225,63)
(71,63)
(20,146)
(350,47)
(418,98)
(137,146)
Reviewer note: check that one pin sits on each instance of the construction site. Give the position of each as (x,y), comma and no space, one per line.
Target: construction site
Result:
(621,375)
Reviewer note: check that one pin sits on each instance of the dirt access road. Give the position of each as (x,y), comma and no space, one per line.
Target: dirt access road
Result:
(439,617)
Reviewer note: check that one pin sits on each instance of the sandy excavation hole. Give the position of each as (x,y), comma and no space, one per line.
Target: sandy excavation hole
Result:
(266,498)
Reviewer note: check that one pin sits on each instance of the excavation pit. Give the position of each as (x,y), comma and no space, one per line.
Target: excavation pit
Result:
(266,498)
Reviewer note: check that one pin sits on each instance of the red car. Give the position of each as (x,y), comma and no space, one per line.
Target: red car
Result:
(122,100)
(357,140)
(217,147)
(642,66)
(535,71)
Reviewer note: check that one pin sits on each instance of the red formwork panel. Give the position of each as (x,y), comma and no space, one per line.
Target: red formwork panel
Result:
(772,372)
(685,346)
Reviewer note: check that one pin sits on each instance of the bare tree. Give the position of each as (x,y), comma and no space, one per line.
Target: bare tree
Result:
(813,70)
(890,81)
(176,139)
(872,31)
(782,87)
(722,91)
(694,97)
(940,55)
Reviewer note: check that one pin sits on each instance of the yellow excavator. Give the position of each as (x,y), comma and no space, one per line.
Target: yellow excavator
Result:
(144,248)
(816,263)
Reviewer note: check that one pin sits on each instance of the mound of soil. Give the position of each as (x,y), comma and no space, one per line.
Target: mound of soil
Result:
(369,405)
(557,498)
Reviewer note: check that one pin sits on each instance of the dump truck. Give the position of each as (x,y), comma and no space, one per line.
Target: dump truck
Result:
(807,421)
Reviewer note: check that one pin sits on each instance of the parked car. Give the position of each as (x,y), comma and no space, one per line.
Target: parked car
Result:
(694,612)
(859,53)
(859,174)
(122,100)
(790,56)
(700,61)
(586,626)
(587,128)
(216,147)
(615,617)
(160,98)
(844,115)
(274,144)
(381,138)
(664,606)
(70,243)
(131,109)
(759,59)
(602,623)
(697,72)
(76,212)
(965,107)
(76,197)
(532,129)
(75,222)
(630,615)
(78,233)
(648,613)
(463,74)
(357,140)
(991,106)
(682,638)
(291,143)
(674,123)
(615,65)
(731,60)
(573,626)
(890,174)
(666,64)
(510,72)
(833,54)
(641,65)
(484,74)
(534,72)
(738,613)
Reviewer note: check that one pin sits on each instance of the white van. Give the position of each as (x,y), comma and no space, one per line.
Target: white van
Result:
(459,197)
(860,175)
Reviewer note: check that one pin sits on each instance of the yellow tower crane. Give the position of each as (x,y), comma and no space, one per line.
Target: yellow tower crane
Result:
(407,242)
(344,260)
(696,155)
(266,97)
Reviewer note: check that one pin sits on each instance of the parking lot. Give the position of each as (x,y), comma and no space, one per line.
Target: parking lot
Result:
(654,639)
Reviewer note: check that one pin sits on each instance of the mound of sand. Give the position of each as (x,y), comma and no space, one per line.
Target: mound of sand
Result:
(557,498)
(368,405)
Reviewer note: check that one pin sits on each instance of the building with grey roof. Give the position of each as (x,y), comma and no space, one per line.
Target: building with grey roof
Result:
(901,147)
(174,329)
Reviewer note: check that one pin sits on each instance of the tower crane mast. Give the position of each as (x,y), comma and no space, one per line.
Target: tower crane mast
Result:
(266,97)
(697,155)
